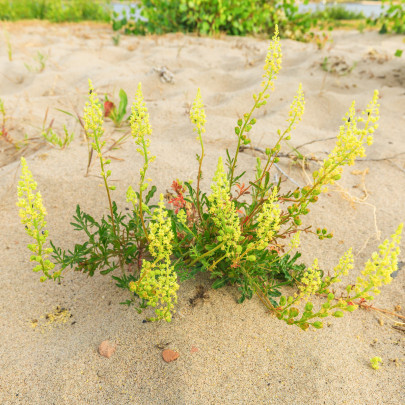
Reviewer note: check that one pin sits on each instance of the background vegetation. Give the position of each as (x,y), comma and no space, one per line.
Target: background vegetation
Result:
(207,17)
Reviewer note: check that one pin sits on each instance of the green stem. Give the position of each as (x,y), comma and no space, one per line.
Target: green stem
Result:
(206,254)
(199,175)
(243,130)
(145,156)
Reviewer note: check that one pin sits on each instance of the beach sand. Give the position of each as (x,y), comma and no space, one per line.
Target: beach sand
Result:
(229,353)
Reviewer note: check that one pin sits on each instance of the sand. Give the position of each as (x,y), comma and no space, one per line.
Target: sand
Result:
(229,353)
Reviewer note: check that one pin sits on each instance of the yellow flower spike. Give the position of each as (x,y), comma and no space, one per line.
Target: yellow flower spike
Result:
(197,114)
(160,233)
(295,240)
(223,212)
(93,116)
(268,221)
(131,196)
(140,131)
(311,281)
(378,270)
(32,214)
(158,280)
(139,121)
(350,143)
(297,108)
(344,266)
(273,60)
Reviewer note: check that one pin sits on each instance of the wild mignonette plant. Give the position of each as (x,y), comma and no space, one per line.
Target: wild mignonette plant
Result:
(237,231)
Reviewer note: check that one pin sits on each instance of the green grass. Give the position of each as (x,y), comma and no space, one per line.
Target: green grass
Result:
(55,10)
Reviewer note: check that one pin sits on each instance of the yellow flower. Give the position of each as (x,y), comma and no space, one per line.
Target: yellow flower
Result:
(378,270)
(344,266)
(311,280)
(268,221)
(350,143)
(197,114)
(273,60)
(32,214)
(223,212)
(93,116)
(296,109)
(140,131)
(295,240)
(140,127)
(131,196)
(158,280)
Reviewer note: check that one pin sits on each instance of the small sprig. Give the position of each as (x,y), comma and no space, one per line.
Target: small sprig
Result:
(198,118)
(93,125)
(273,61)
(271,68)
(375,362)
(57,141)
(350,143)
(32,214)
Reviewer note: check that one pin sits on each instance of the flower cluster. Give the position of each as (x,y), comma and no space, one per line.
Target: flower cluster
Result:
(375,362)
(93,125)
(140,131)
(350,143)
(295,240)
(378,270)
(93,115)
(131,197)
(32,214)
(197,114)
(344,266)
(268,221)
(311,281)
(223,213)
(140,126)
(296,110)
(273,60)
(158,281)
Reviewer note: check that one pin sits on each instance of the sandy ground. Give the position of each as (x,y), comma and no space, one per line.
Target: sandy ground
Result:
(244,356)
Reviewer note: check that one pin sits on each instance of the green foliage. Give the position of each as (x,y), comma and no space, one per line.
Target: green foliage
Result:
(40,60)
(210,17)
(237,232)
(337,12)
(54,10)
(393,18)
(117,115)
(57,141)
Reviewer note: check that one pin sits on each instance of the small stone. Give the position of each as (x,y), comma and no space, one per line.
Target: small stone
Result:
(106,349)
(194,349)
(170,355)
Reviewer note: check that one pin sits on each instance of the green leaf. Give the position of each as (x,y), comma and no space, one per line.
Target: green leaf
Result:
(219,282)
(122,109)
(150,194)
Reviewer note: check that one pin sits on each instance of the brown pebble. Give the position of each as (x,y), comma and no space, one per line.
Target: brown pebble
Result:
(170,355)
(194,349)
(106,349)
